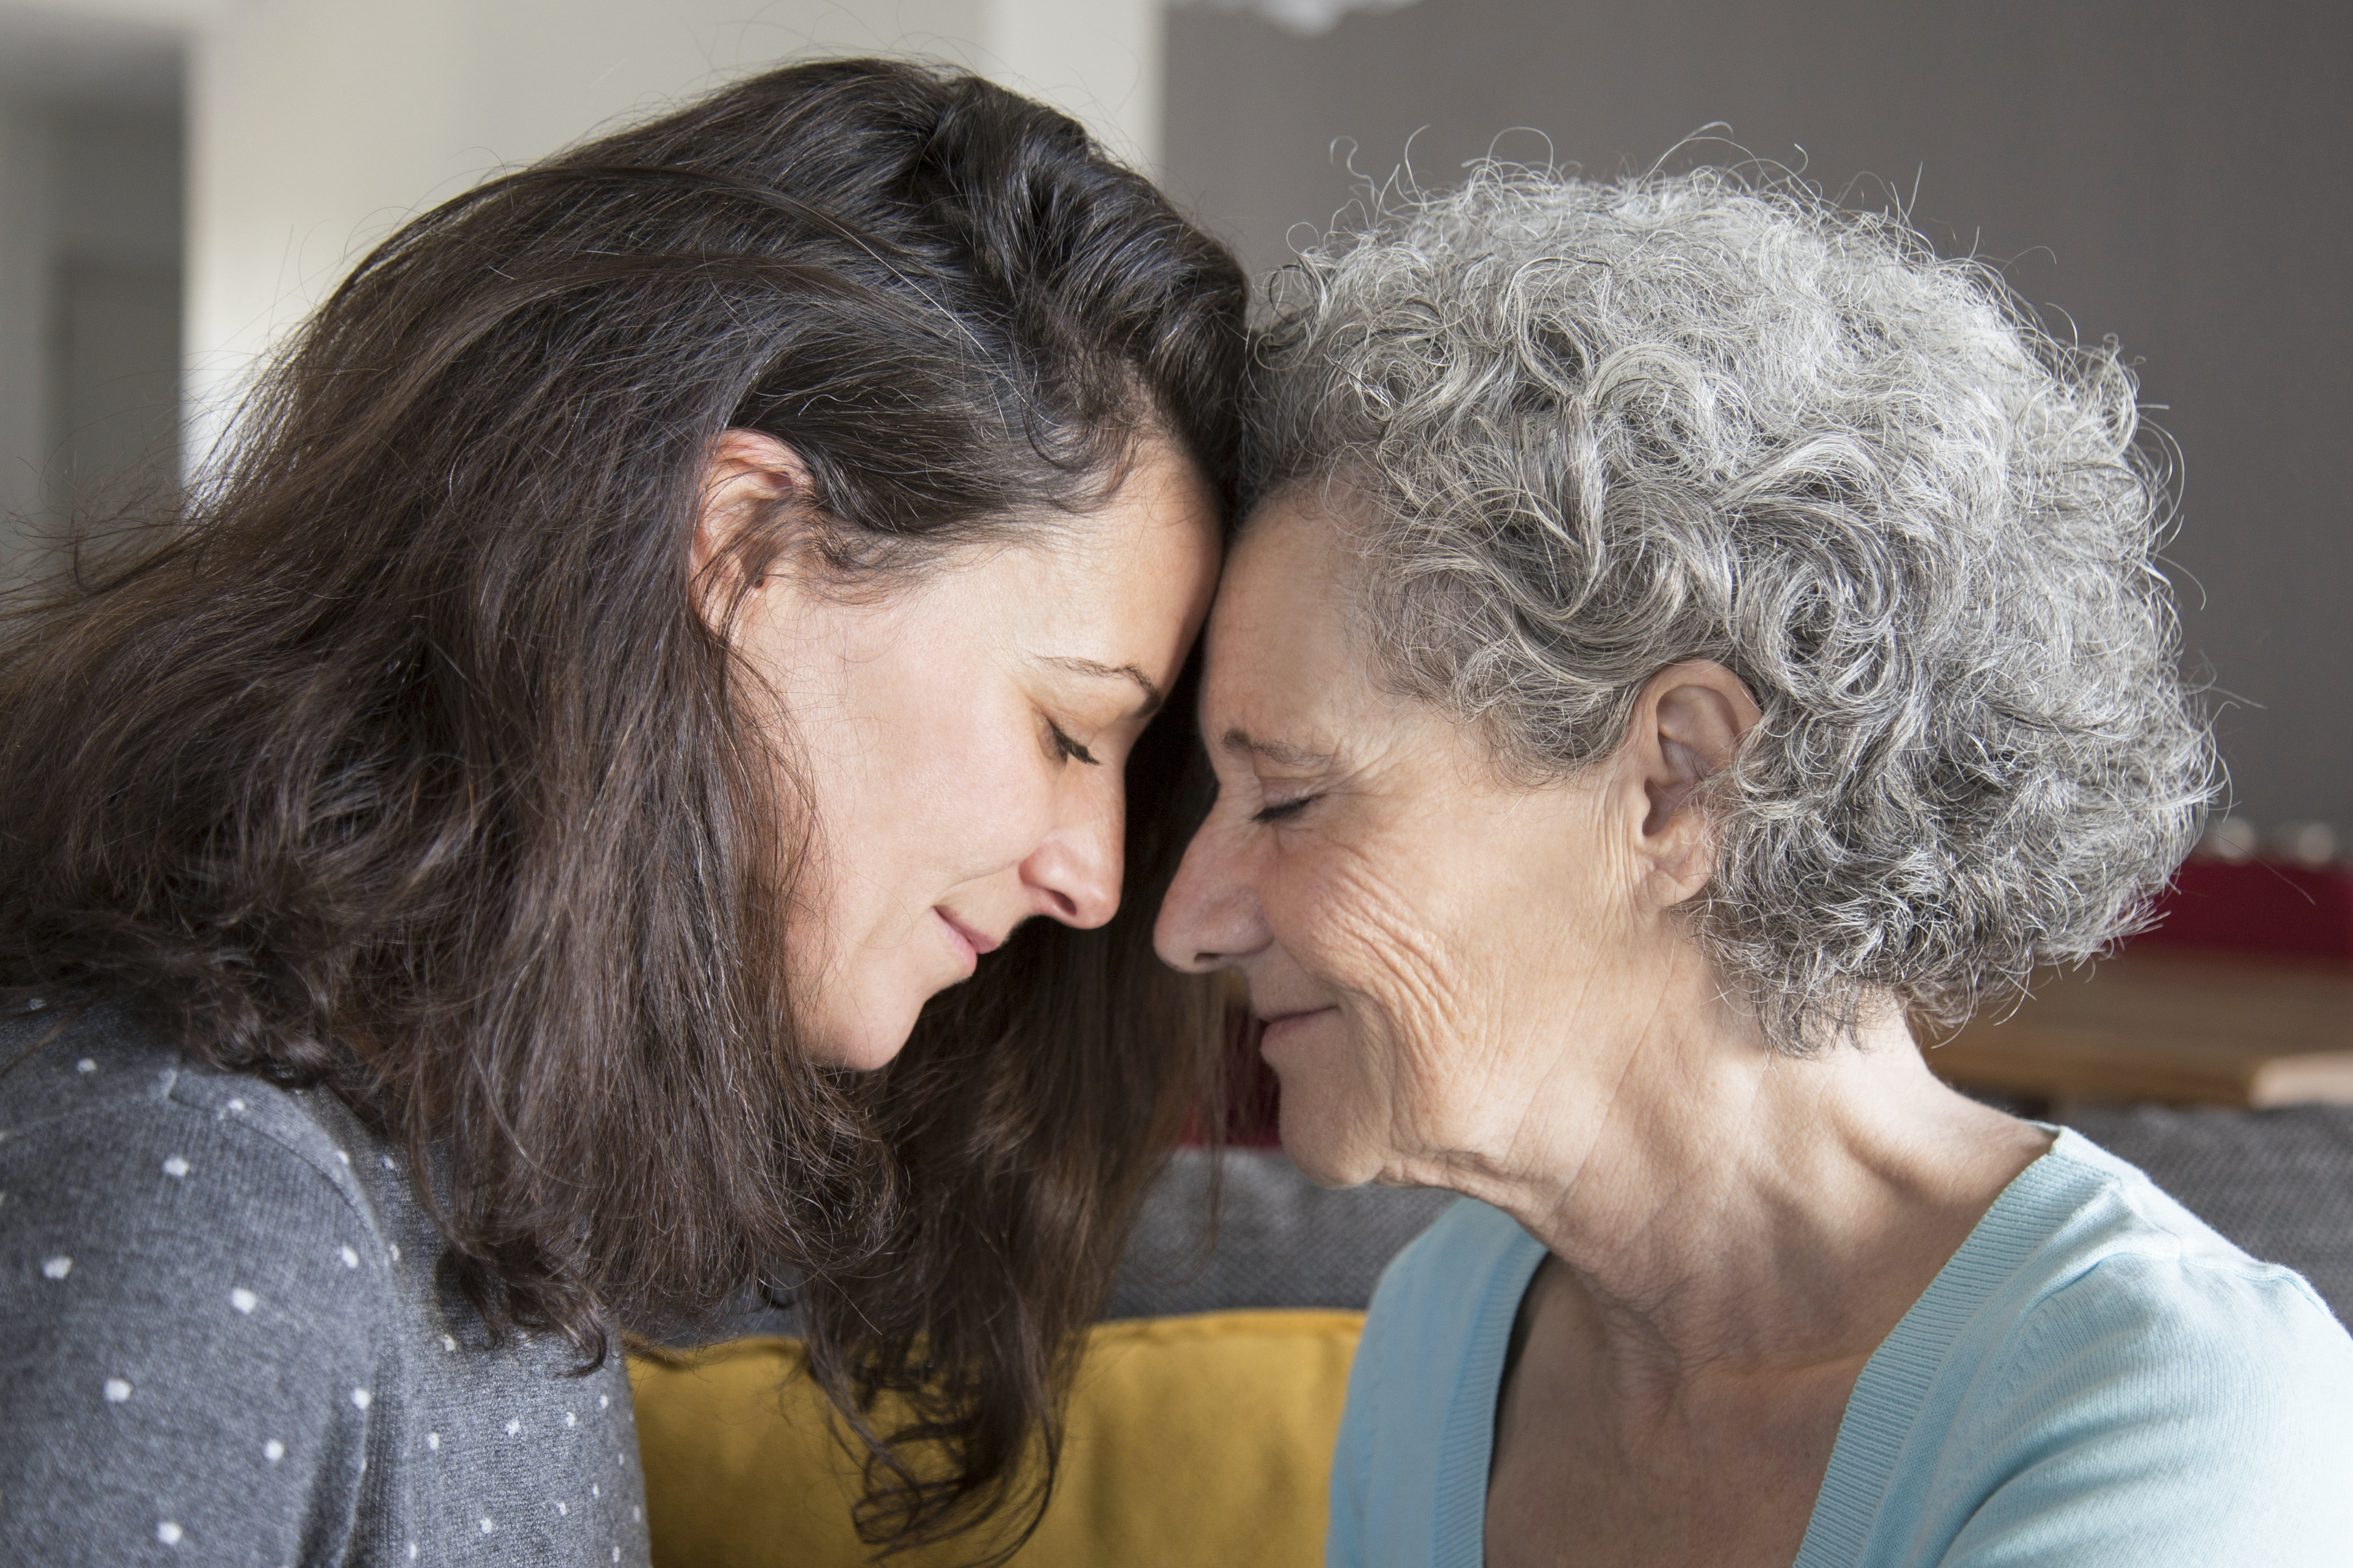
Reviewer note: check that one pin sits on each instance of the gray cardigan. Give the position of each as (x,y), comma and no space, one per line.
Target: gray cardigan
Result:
(222,1339)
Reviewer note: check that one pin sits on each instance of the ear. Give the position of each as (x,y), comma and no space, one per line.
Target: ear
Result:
(747,479)
(1687,726)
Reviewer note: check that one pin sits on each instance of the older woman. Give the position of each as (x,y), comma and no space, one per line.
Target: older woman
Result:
(1688,634)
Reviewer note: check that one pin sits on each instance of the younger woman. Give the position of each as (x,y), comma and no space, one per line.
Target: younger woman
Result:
(664,631)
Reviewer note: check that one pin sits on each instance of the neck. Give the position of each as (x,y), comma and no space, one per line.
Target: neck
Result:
(1738,1209)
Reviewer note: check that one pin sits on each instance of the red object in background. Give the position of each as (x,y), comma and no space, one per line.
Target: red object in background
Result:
(1251,1117)
(2257,906)
(1258,1102)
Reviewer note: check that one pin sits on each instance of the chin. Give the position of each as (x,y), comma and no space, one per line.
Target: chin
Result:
(864,1056)
(1322,1113)
(1317,1142)
(872,1038)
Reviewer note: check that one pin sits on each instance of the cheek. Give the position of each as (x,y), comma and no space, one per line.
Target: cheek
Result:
(1335,1117)
(1372,935)
(905,827)
(992,790)
(1405,1006)
(1456,982)
(947,794)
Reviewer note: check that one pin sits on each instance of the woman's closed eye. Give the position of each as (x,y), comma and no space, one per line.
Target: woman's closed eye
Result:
(1281,810)
(1070,748)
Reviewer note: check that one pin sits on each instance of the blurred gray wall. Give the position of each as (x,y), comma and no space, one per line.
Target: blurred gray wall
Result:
(91,213)
(2170,172)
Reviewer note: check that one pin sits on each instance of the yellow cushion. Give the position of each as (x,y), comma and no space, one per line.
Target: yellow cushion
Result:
(1199,1440)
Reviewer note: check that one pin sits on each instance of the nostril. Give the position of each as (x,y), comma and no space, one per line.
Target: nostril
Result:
(1065,907)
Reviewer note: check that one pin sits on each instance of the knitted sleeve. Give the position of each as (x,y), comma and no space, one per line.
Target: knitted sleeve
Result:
(189,1348)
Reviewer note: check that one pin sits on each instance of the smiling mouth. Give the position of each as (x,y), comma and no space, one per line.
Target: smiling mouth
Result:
(979,942)
(1275,1024)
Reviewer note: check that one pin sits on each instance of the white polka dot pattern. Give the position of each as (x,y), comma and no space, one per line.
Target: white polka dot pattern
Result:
(313,1390)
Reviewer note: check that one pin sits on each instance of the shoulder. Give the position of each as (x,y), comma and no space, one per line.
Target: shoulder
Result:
(111,1142)
(1411,1458)
(2144,1314)
(195,1301)
(2129,1271)
(2148,1392)
(1451,1285)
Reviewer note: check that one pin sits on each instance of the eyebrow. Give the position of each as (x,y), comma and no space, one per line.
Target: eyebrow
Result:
(1289,756)
(1153,696)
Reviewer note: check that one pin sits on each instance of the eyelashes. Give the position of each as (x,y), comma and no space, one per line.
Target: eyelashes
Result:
(1287,809)
(1072,749)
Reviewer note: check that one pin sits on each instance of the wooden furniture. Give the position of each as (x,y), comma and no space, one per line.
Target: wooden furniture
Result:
(2173,1024)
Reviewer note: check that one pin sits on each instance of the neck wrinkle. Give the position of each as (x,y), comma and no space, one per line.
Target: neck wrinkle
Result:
(1738,1211)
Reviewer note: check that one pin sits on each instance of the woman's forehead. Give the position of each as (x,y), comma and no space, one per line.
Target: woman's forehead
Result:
(1279,602)
(1286,666)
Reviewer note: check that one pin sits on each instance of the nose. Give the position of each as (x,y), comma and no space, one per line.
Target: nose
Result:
(1073,874)
(1211,918)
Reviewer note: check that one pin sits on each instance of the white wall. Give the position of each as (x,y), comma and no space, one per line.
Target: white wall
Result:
(313,127)
(26,219)
(1100,61)
(90,238)
(116,237)
(316,126)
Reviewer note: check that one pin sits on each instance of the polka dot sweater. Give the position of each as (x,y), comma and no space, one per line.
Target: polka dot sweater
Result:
(222,1339)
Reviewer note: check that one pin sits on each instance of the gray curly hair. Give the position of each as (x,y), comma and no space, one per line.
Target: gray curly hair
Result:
(1607,427)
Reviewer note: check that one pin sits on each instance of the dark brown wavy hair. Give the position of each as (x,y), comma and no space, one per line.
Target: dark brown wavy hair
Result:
(403,762)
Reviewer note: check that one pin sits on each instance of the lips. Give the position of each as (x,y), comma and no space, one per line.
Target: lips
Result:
(1272,1027)
(979,942)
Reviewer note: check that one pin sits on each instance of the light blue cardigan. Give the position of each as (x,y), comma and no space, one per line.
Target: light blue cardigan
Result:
(2095,1377)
